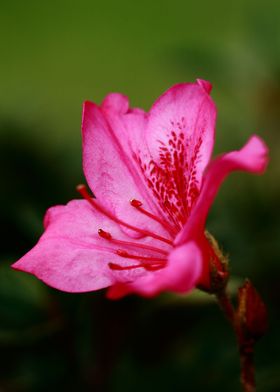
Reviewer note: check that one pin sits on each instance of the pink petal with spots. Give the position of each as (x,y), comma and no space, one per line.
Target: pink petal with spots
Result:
(71,256)
(180,275)
(180,137)
(109,165)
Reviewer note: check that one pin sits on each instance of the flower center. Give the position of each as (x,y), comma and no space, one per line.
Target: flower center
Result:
(138,205)
(83,191)
(106,235)
(150,262)
(173,177)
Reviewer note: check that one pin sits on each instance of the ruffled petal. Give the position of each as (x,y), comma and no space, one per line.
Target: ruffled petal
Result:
(180,137)
(253,158)
(72,257)
(180,275)
(128,125)
(110,166)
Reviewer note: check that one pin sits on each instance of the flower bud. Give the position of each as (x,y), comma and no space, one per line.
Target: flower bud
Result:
(218,266)
(251,312)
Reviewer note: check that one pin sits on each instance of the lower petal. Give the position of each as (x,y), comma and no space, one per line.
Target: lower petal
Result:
(180,275)
(71,256)
(67,266)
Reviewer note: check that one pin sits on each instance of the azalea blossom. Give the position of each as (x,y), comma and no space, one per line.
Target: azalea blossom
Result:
(144,231)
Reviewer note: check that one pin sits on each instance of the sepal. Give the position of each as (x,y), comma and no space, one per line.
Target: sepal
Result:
(217,270)
(251,313)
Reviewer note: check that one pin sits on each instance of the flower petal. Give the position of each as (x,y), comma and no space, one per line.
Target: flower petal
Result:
(253,157)
(180,137)
(180,275)
(109,164)
(71,256)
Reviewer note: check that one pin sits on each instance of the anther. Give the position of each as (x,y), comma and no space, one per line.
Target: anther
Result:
(104,234)
(154,267)
(122,253)
(81,188)
(135,203)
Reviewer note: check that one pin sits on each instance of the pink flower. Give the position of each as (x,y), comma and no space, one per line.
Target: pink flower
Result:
(150,172)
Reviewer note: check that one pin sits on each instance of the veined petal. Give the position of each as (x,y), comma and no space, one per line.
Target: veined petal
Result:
(180,137)
(66,266)
(253,157)
(180,275)
(71,256)
(109,165)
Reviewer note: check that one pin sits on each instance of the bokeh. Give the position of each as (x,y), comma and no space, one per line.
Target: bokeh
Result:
(55,55)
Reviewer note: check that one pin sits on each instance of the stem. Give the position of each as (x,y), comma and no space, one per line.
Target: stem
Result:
(226,306)
(246,348)
(247,367)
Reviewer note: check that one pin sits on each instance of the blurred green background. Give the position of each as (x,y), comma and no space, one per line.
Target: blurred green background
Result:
(55,55)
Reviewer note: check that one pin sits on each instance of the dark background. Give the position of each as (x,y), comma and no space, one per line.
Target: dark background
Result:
(55,55)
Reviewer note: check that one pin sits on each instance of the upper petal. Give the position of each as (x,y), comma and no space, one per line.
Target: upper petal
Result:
(253,157)
(111,169)
(158,158)
(180,137)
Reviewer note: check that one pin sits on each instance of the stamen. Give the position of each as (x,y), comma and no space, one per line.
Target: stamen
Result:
(83,191)
(117,267)
(137,204)
(106,235)
(124,253)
